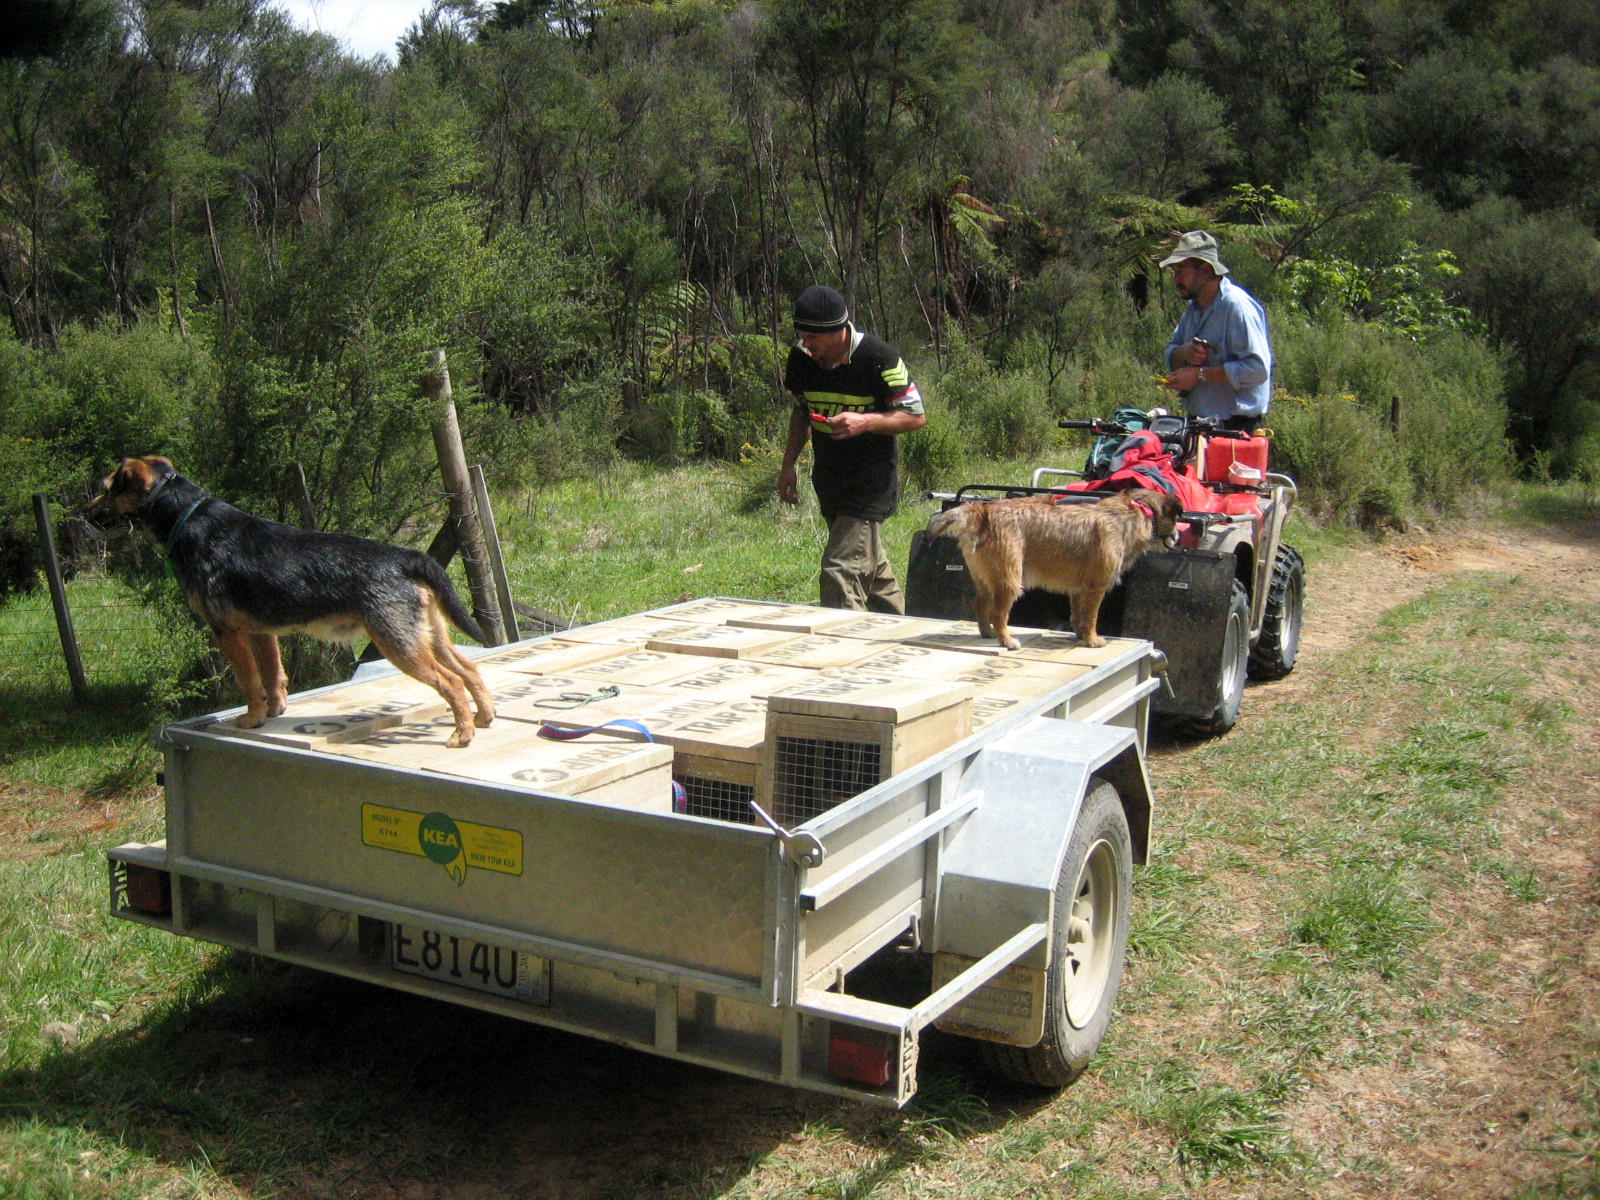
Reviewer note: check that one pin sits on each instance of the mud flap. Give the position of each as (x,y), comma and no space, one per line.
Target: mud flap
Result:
(1180,602)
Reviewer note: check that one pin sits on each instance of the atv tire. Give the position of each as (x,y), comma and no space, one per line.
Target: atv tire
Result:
(1275,650)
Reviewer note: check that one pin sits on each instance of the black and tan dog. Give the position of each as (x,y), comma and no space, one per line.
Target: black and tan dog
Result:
(1025,542)
(251,579)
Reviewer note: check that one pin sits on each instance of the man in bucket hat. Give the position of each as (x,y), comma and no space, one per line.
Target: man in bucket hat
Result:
(1219,357)
(853,397)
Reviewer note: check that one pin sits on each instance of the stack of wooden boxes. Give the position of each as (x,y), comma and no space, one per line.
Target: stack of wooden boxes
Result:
(793,708)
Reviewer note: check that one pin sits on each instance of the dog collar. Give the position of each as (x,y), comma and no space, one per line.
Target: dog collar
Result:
(187,513)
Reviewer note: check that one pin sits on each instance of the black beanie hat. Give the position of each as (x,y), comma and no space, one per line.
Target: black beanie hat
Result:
(820,309)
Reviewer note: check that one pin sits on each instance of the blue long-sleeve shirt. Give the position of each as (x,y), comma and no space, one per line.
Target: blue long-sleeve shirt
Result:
(1237,326)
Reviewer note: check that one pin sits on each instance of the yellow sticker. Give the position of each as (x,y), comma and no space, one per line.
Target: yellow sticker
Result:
(454,845)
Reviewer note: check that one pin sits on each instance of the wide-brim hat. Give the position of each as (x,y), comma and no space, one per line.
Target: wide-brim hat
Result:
(1196,244)
(820,309)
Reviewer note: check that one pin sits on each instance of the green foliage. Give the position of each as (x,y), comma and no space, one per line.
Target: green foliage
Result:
(935,457)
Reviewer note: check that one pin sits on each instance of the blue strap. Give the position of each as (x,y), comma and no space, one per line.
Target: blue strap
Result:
(680,797)
(547,730)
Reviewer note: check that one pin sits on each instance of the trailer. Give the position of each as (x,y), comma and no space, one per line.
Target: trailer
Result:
(695,831)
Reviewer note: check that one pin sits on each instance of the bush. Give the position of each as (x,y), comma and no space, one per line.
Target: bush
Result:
(1438,406)
(1348,466)
(935,456)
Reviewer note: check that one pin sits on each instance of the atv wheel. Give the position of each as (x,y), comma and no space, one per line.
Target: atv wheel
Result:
(1232,666)
(1275,651)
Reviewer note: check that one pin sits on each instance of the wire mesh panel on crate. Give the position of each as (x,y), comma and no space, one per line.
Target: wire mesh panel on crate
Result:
(840,735)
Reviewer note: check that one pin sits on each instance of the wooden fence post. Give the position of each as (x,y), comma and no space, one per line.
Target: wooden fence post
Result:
(58,597)
(463,511)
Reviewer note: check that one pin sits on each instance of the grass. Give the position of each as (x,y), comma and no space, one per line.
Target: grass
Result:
(1341,886)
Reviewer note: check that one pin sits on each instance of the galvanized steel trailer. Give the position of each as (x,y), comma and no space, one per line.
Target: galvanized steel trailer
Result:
(1003,852)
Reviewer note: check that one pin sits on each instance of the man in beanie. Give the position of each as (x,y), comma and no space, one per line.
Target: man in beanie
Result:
(854,396)
(1218,356)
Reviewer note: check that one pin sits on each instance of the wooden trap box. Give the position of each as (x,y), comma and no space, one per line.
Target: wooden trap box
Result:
(610,770)
(880,627)
(646,668)
(719,641)
(963,636)
(317,719)
(626,631)
(736,679)
(791,618)
(574,702)
(911,661)
(712,610)
(833,738)
(816,652)
(1062,647)
(717,746)
(550,657)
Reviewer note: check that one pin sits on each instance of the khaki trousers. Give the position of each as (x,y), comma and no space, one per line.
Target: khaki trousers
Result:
(855,570)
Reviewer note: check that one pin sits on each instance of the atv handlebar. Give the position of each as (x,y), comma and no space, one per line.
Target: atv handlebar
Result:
(1200,425)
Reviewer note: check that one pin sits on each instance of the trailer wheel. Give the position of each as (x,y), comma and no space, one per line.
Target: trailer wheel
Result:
(1275,651)
(1088,944)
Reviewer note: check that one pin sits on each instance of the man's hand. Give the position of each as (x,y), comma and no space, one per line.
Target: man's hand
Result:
(1184,378)
(788,485)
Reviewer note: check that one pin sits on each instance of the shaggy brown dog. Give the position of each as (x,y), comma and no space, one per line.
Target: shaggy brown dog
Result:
(251,579)
(1032,542)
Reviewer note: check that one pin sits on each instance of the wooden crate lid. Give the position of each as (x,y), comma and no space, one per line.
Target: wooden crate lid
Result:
(791,618)
(1020,676)
(963,636)
(880,626)
(626,631)
(512,752)
(912,661)
(737,679)
(549,656)
(844,696)
(1066,648)
(719,641)
(642,667)
(816,652)
(734,730)
(340,714)
(712,610)
(585,701)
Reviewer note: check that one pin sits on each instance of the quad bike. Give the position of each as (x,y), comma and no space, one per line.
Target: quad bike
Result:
(1222,603)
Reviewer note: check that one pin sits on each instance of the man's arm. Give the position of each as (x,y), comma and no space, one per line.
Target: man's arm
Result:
(788,479)
(895,421)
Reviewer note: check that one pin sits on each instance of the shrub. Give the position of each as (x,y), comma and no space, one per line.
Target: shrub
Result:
(1343,457)
(935,456)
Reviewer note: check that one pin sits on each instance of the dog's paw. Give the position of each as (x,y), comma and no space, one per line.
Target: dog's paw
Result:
(482,718)
(460,738)
(249,721)
(1012,644)
(1094,640)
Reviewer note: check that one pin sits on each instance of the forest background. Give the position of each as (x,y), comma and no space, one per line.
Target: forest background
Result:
(225,239)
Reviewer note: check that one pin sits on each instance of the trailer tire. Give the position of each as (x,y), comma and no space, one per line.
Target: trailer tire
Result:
(1088,946)
(1275,650)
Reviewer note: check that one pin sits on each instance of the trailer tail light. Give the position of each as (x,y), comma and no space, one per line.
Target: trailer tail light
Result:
(147,889)
(861,1055)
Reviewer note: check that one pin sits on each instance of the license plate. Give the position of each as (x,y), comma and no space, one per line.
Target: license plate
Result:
(469,963)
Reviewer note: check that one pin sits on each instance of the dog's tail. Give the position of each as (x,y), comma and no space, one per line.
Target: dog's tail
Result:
(951,520)
(426,571)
